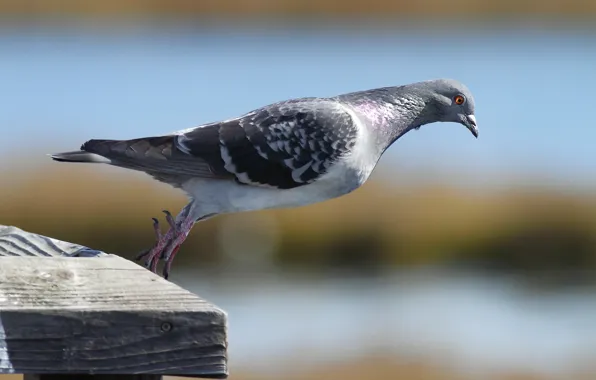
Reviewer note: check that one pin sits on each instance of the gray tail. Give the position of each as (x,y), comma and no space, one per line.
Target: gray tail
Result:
(79,156)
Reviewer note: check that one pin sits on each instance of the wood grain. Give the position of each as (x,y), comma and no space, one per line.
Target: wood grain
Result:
(16,242)
(99,314)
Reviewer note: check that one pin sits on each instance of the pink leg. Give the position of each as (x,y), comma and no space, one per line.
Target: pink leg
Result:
(152,255)
(162,244)
(170,252)
(183,229)
(158,237)
(168,265)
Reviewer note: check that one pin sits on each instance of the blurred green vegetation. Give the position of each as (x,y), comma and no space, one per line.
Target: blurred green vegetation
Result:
(376,227)
(186,8)
(382,367)
(385,367)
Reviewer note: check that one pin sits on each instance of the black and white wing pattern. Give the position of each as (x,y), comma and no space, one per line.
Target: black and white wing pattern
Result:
(284,145)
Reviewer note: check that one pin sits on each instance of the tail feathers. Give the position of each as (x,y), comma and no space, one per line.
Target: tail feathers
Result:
(79,156)
(123,153)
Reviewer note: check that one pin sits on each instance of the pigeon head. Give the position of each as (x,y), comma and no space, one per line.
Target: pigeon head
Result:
(447,100)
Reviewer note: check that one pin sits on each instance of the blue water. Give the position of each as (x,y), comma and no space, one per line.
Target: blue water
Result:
(472,323)
(534,90)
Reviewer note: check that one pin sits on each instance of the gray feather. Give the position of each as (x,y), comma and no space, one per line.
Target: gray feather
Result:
(287,144)
(79,156)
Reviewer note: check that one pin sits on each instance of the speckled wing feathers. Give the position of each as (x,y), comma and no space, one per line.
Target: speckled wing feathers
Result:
(284,145)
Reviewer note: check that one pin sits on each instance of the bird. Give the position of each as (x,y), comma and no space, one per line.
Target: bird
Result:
(286,154)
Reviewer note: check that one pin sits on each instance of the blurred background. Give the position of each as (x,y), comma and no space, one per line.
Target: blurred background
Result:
(460,259)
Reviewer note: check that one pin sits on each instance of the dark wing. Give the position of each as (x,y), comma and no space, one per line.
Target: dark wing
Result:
(284,145)
(159,157)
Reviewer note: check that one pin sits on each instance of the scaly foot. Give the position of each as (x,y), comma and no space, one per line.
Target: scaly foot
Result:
(158,237)
(166,245)
(153,255)
(172,248)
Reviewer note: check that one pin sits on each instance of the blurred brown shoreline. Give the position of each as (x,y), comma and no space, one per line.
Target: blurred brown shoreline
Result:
(336,8)
(378,226)
(381,367)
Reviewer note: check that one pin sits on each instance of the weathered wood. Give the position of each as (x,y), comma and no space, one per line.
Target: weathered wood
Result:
(16,242)
(89,312)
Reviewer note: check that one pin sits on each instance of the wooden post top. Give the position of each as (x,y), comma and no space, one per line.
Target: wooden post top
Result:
(67,309)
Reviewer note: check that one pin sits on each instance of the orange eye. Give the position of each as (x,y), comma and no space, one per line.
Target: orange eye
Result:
(459,100)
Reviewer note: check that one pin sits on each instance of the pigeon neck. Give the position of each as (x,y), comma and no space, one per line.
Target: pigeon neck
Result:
(390,118)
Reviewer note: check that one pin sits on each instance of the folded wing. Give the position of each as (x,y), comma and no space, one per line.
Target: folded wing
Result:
(284,145)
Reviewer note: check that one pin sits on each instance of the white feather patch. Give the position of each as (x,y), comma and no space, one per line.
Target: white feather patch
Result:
(227,159)
(299,171)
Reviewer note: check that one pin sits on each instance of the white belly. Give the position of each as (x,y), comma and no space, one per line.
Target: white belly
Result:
(225,196)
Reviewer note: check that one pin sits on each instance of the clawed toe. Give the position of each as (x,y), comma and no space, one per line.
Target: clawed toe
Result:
(162,248)
(170,220)
(142,254)
(148,255)
(168,262)
(158,237)
(166,245)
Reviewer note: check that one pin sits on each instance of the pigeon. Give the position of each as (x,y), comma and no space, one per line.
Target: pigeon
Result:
(286,154)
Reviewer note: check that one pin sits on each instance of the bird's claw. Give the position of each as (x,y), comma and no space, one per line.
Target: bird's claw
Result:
(156,229)
(170,220)
(166,245)
(142,254)
(164,248)
(158,237)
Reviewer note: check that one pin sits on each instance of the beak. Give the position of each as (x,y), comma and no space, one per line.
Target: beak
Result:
(470,122)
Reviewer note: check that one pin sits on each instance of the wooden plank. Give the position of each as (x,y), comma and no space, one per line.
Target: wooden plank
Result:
(16,242)
(89,312)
